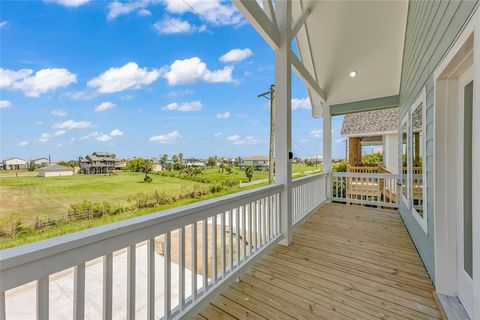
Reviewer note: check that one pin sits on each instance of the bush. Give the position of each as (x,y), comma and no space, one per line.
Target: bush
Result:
(11,225)
(148,179)
(340,166)
(372,160)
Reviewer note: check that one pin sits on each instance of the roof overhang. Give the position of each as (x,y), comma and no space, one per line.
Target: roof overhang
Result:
(335,38)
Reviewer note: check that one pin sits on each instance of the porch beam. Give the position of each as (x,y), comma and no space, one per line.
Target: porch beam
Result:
(365,105)
(283,119)
(300,22)
(260,21)
(303,74)
(270,11)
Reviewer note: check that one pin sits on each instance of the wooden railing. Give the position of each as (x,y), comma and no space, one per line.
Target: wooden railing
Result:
(308,194)
(375,189)
(233,230)
(367,169)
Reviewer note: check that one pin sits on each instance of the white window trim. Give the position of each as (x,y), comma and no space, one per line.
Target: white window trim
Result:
(405,120)
(422,99)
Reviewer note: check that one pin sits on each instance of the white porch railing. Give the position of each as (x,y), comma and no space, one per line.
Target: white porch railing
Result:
(308,194)
(237,228)
(377,189)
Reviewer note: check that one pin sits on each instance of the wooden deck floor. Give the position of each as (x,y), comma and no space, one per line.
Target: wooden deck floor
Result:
(345,262)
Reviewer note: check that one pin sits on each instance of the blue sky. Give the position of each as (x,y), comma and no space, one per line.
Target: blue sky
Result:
(139,78)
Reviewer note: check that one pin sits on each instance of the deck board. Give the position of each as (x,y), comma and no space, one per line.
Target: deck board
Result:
(345,262)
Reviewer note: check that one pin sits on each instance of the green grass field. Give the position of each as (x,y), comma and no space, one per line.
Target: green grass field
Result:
(33,196)
(37,196)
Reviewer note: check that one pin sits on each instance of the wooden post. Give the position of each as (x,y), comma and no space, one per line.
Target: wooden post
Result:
(283,117)
(354,151)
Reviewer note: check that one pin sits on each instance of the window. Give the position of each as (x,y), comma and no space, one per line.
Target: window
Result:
(416,166)
(404,160)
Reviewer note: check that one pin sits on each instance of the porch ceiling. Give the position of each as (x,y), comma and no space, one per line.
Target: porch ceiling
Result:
(344,36)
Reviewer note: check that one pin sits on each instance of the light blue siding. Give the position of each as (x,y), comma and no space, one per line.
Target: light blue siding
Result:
(432,27)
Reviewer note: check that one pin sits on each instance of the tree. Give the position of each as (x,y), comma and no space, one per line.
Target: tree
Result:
(237,161)
(32,166)
(180,157)
(163,160)
(146,166)
(229,169)
(249,170)
(211,162)
(175,158)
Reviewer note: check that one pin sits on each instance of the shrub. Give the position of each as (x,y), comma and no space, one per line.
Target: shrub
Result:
(11,225)
(340,166)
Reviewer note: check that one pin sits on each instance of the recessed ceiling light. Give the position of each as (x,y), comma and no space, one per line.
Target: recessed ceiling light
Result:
(353,74)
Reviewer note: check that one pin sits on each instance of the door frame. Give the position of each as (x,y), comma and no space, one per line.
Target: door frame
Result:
(446,197)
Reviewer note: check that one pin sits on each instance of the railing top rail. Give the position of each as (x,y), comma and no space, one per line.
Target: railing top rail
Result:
(118,235)
(365,175)
(309,178)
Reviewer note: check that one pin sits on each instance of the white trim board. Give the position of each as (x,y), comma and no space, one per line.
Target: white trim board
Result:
(446,195)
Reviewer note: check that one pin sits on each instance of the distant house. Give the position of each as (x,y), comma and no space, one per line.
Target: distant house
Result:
(14,164)
(374,129)
(98,163)
(55,170)
(195,163)
(259,162)
(315,159)
(41,161)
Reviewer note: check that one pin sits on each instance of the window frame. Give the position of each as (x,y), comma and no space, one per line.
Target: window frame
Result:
(421,100)
(406,200)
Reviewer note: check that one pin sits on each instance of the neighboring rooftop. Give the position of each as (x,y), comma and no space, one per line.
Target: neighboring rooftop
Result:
(379,121)
(56,167)
(256,158)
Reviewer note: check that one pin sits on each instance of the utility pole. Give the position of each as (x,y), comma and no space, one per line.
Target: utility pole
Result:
(270,95)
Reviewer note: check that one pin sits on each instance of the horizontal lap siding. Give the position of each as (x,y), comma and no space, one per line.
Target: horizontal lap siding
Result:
(432,26)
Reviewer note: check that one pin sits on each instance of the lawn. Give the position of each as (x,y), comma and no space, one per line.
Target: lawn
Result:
(38,196)
(33,196)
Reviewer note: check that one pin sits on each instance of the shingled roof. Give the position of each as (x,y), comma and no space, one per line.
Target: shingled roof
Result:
(385,120)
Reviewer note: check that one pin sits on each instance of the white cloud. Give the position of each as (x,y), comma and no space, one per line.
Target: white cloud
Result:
(179,93)
(118,8)
(193,70)
(223,115)
(218,134)
(316,133)
(236,55)
(5,104)
(144,13)
(39,123)
(184,106)
(46,136)
(71,124)
(33,85)
(237,140)
(104,138)
(125,77)
(58,113)
(214,11)
(22,143)
(116,133)
(90,135)
(3,24)
(69,3)
(168,138)
(174,25)
(301,103)
(104,106)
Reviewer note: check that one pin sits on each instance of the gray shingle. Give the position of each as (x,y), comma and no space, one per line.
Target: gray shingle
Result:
(370,122)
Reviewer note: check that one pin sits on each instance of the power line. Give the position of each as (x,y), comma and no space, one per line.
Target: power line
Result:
(198,13)
(306,152)
(175,26)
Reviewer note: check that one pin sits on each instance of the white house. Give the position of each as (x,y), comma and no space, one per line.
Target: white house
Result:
(259,162)
(373,128)
(196,163)
(14,164)
(41,161)
(55,170)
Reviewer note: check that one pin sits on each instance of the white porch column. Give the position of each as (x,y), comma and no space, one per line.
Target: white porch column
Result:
(327,147)
(283,117)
